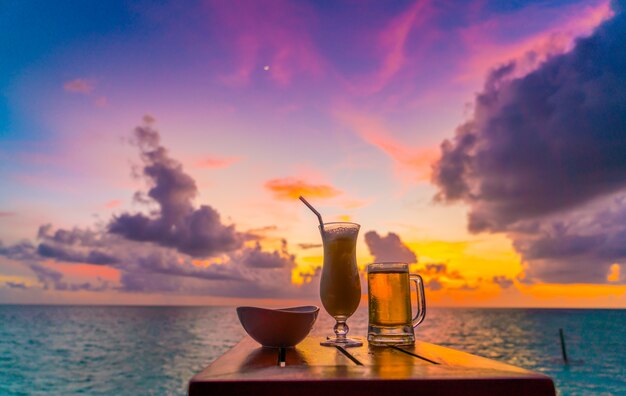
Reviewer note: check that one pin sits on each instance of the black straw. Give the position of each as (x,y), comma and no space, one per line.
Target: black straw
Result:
(319,216)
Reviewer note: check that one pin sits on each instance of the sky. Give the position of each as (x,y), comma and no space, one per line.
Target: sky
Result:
(153,153)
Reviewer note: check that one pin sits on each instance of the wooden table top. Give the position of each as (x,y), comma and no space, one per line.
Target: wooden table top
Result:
(309,368)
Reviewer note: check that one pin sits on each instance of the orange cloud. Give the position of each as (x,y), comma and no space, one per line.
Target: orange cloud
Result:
(291,188)
(216,162)
(614,273)
(79,85)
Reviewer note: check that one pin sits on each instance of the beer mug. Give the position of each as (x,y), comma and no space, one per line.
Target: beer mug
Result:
(389,297)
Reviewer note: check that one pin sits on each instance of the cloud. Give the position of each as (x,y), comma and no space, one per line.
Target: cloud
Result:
(177,224)
(47,276)
(440,270)
(274,34)
(216,162)
(248,272)
(436,268)
(542,159)
(21,251)
(488,45)
(414,162)
(16,285)
(437,276)
(133,259)
(291,188)
(614,273)
(72,256)
(52,279)
(114,203)
(306,246)
(74,237)
(7,214)
(503,281)
(575,246)
(388,248)
(545,142)
(145,267)
(257,258)
(259,233)
(467,287)
(434,284)
(101,102)
(391,44)
(79,85)
(165,262)
(163,251)
(262,230)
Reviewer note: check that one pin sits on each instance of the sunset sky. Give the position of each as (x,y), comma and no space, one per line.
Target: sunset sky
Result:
(154,153)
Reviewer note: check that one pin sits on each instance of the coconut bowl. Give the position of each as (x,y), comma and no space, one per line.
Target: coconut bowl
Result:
(278,328)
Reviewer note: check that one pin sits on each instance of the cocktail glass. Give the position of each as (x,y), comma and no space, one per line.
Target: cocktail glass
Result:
(340,286)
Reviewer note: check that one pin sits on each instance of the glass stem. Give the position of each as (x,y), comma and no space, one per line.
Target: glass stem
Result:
(341,328)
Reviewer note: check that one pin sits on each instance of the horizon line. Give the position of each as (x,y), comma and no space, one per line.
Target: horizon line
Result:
(321,308)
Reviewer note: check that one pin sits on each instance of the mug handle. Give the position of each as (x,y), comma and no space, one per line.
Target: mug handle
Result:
(421,299)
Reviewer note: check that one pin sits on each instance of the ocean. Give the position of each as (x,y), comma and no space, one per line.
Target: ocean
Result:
(113,350)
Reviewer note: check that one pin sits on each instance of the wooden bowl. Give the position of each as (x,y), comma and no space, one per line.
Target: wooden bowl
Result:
(278,328)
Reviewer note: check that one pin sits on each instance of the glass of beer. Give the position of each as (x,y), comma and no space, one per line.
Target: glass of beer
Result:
(340,287)
(389,297)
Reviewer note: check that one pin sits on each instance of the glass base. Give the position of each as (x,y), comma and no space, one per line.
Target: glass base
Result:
(390,335)
(342,342)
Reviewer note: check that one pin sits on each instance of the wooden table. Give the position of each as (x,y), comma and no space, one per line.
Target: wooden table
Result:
(311,369)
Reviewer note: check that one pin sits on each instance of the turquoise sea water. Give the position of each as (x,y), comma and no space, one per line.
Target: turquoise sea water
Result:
(67,350)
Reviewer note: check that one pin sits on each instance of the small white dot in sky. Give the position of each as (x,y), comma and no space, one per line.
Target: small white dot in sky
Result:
(266,67)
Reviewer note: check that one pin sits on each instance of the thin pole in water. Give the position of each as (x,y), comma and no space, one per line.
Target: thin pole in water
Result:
(563,346)
(282,361)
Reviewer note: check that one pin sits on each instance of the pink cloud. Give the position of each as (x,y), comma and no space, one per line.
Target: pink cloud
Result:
(400,49)
(7,214)
(86,271)
(102,101)
(392,42)
(274,35)
(79,85)
(486,50)
(114,203)
(216,162)
(414,161)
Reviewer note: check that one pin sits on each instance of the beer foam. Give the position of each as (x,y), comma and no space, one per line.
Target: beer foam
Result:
(340,231)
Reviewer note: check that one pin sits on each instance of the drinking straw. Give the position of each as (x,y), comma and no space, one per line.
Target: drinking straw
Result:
(319,216)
